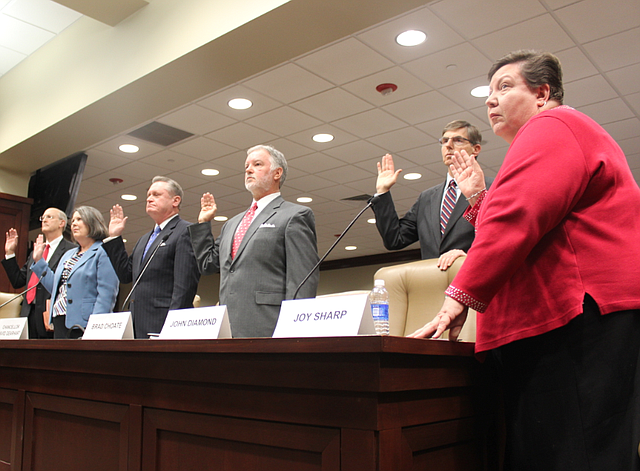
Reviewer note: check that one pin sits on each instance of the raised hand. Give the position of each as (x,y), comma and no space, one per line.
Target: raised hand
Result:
(11,242)
(208,208)
(467,173)
(38,248)
(117,221)
(387,174)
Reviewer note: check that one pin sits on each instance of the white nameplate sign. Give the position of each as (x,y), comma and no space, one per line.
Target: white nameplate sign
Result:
(198,323)
(14,328)
(112,326)
(332,316)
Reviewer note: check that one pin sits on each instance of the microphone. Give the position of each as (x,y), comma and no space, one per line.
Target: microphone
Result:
(372,201)
(135,284)
(24,292)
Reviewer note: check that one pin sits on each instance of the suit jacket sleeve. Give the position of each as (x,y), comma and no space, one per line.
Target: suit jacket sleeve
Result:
(17,276)
(397,233)
(302,254)
(186,274)
(205,249)
(120,260)
(46,275)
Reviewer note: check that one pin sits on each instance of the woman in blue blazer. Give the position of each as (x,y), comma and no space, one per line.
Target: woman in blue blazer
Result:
(85,282)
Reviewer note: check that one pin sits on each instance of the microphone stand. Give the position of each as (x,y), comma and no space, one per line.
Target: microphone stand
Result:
(369,204)
(135,284)
(24,292)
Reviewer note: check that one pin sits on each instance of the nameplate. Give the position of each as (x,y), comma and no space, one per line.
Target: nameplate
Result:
(198,323)
(14,329)
(333,316)
(112,326)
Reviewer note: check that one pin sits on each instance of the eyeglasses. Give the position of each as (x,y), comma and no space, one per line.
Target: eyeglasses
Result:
(457,140)
(46,216)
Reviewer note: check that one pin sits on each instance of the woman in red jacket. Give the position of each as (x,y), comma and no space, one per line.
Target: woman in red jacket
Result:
(554,274)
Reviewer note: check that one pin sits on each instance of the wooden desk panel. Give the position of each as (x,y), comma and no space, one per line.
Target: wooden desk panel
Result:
(359,403)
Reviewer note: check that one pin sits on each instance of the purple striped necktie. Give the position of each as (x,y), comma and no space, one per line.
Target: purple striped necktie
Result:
(447,206)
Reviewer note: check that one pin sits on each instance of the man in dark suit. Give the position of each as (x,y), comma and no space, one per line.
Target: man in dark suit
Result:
(444,236)
(171,279)
(262,255)
(34,303)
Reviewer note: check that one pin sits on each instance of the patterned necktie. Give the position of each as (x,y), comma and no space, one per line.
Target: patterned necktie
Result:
(447,206)
(33,279)
(151,239)
(242,229)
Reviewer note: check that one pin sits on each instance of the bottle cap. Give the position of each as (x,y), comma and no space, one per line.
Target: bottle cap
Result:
(378,283)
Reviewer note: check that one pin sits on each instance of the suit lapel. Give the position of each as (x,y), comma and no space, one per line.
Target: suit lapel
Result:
(88,255)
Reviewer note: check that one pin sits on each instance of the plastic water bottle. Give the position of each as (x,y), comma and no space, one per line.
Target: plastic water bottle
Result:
(379,299)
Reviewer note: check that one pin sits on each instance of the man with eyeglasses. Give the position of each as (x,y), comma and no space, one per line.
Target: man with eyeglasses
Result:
(34,303)
(436,217)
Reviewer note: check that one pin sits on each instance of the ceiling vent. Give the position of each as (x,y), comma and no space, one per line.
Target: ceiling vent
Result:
(160,134)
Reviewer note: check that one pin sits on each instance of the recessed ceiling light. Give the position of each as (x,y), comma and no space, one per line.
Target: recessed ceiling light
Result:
(371,221)
(220,218)
(129,148)
(411,38)
(210,172)
(304,199)
(350,247)
(413,176)
(323,138)
(240,103)
(129,197)
(480,92)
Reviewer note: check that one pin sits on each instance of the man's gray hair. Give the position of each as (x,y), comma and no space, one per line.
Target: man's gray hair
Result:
(277,160)
(62,216)
(174,187)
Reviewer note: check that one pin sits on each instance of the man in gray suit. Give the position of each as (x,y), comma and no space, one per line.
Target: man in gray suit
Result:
(263,254)
(171,277)
(445,239)
(33,306)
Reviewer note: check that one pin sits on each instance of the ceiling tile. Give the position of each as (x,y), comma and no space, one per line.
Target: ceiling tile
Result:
(331,105)
(382,38)
(22,37)
(400,139)
(542,33)
(356,152)
(626,79)
(624,129)
(408,86)
(618,15)
(423,108)
(575,65)
(219,102)
(203,148)
(627,41)
(241,136)
(474,18)
(288,83)
(45,14)
(283,121)
(456,64)
(305,138)
(609,111)
(344,61)
(587,91)
(196,119)
(369,123)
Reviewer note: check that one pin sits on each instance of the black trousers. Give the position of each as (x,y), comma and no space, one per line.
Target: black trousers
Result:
(572,395)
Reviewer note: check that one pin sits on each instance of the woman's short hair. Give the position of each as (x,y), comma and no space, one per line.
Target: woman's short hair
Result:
(474,135)
(277,160)
(94,221)
(537,68)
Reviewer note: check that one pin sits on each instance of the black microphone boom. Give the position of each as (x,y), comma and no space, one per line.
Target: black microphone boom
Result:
(373,200)
(24,292)
(135,284)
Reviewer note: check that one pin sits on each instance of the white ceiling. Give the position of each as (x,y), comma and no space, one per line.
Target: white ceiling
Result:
(333,90)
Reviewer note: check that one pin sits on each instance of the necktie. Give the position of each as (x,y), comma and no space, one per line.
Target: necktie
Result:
(33,279)
(447,206)
(153,236)
(242,229)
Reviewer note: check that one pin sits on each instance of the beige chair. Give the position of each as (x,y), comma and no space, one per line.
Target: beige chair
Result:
(416,293)
(13,308)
